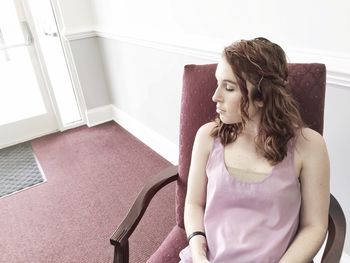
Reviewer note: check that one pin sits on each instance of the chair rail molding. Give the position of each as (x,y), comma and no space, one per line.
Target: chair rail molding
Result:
(338,64)
(79,33)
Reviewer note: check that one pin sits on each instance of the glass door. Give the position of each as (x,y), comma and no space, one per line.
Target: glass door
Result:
(51,47)
(25,105)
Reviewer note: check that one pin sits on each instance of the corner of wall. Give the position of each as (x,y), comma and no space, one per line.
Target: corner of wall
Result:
(152,139)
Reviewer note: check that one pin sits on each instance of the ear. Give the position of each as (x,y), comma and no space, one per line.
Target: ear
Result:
(258,103)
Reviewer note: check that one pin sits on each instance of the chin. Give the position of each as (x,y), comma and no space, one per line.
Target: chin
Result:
(229,121)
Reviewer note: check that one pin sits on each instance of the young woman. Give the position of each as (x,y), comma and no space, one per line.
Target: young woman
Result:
(258,186)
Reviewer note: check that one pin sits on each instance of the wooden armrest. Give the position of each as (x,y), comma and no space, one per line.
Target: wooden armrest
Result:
(336,233)
(133,217)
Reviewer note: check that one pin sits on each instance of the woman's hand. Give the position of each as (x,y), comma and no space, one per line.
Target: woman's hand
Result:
(200,258)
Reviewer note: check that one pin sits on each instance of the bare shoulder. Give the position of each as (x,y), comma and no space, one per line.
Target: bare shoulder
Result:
(203,137)
(310,140)
(206,128)
(311,149)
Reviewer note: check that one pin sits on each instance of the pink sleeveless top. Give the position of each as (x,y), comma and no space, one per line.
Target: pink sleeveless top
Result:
(249,222)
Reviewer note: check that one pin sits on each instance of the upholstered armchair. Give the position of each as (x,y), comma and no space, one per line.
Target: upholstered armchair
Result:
(307,82)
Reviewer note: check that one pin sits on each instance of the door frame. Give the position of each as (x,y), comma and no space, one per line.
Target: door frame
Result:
(46,88)
(57,11)
(58,17)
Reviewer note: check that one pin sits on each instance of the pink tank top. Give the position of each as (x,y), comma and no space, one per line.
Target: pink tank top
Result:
(249,222)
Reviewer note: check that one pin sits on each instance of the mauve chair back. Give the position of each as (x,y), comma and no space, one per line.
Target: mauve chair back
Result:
(308,85)
(307,81)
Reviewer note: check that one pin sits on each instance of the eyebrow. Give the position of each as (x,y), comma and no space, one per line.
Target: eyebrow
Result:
(229,81)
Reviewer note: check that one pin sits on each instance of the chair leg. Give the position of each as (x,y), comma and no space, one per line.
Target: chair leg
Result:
(121,253)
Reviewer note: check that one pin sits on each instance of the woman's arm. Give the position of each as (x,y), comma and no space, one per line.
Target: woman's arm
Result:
(196,192)
(314,178)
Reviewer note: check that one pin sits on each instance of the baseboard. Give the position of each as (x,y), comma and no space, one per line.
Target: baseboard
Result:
(152,139)
(99,115)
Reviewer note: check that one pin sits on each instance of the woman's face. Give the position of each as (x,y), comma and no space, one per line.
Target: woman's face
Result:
(228,95)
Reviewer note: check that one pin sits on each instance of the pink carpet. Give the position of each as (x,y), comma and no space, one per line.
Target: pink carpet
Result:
(93,176)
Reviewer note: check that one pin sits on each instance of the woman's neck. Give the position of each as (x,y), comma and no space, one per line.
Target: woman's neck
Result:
(251,128)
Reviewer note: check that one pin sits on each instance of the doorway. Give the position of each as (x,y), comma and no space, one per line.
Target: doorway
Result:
(37,95)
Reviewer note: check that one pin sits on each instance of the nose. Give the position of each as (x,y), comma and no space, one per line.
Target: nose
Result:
(217,97)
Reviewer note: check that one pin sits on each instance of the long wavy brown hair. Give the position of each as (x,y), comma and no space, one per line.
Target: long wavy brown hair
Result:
(262,63)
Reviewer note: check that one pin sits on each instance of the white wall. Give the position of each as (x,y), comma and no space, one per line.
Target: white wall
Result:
(144,45)
(91,72)
(77,15)
(313,25)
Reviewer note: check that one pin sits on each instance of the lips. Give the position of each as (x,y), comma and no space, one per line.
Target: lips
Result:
(220,111)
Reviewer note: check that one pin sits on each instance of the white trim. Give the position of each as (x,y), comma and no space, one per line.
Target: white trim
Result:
(168,46)
(81,34)
(152,139)
(73,74)
(77,89)
(148,136)
(99,115)
(338,70)
(338,79)
(335,61)
(212,51)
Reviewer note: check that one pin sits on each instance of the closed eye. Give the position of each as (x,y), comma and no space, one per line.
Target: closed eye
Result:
(229,87)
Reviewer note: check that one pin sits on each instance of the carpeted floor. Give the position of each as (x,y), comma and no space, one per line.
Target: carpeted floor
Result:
(93,176)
